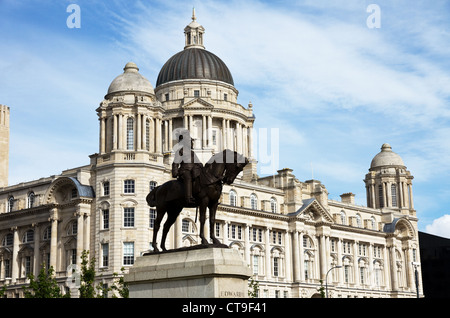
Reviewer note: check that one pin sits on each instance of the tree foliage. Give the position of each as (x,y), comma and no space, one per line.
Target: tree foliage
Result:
(45,286)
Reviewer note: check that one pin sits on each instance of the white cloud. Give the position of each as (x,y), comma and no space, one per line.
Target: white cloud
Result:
(440,226)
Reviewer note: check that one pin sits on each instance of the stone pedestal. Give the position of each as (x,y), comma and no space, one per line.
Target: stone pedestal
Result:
(191,273)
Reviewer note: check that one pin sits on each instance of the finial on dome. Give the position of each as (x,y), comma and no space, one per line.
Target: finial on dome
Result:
(386,147)
(193,14)
(131,67)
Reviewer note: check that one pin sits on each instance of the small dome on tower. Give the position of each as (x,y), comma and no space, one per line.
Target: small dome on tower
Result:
(386,158)
(130,80)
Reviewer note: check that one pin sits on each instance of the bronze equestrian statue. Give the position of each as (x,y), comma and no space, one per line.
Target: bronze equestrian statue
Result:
(171,198)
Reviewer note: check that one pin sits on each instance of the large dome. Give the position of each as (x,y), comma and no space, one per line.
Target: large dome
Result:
(194,63)
(386,158)
(131,80)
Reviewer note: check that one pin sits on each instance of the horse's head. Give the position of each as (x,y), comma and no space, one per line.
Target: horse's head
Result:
(232,169)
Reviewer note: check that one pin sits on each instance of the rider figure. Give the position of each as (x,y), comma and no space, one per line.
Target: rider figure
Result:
(186,165)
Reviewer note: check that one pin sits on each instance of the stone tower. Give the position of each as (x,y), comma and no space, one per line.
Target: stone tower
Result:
(389,183)
(4,145)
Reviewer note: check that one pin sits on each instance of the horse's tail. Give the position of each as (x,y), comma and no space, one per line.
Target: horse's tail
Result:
(151,197)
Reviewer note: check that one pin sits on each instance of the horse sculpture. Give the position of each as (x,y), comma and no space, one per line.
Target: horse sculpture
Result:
(169,198)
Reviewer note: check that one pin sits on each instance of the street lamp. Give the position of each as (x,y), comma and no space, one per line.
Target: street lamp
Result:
(326,278)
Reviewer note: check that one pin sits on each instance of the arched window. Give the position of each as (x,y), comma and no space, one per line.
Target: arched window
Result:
(233,198)
(130,133)
(11,204)
(28,237)
(31,198)
(358,220)
(253,201)
(273,205)
(374,223)
(343,218)
(394,194)
(8,240)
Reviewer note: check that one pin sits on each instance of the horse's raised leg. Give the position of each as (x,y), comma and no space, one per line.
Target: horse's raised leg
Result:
(159,216)
(202,210)
(212,222)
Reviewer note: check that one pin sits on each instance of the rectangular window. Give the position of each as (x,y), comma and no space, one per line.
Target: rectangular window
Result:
(27,265)
(225,96)
(394,195)
(74,256)
(233,231)
(196,93)
(106,219)
(128,217)
(361,272)
(185,226)
(128,186)
(7,268)
(128,253)
(255,264)
(152,218)
(106,188)
(275,266)
(346,273)
(217,229)
(167,97)
(105,254)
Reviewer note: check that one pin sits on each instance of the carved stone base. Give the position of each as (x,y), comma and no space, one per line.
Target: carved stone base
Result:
(194,272)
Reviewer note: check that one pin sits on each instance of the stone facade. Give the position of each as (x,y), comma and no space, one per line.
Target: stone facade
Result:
(288,231)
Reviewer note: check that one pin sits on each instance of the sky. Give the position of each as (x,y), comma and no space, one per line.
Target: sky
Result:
(331,80)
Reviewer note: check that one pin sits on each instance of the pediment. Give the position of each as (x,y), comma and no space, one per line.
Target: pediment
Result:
(197,103)
(312,210)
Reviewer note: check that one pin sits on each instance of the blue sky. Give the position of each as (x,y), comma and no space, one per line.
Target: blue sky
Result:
(335,89)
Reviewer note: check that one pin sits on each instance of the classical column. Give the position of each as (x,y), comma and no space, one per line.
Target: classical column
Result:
(393,267)
(388,194)
(114,133)
(170,135)
(224,134)
(120,132)
(247,243)
(355,263)
(80,235)
(369,274)
(225,232)
(158,140)
(296,252)
(339,260)
(301,258)
(138,132)
(288,253)
(323,257)
(15,255)
(250,142)
(54,238)
(210,128)
(166,136)
(411,200)
(102,135)
(372,187)
(267,252)
(152,135)
(238,138)
(37,242)
(87,232)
